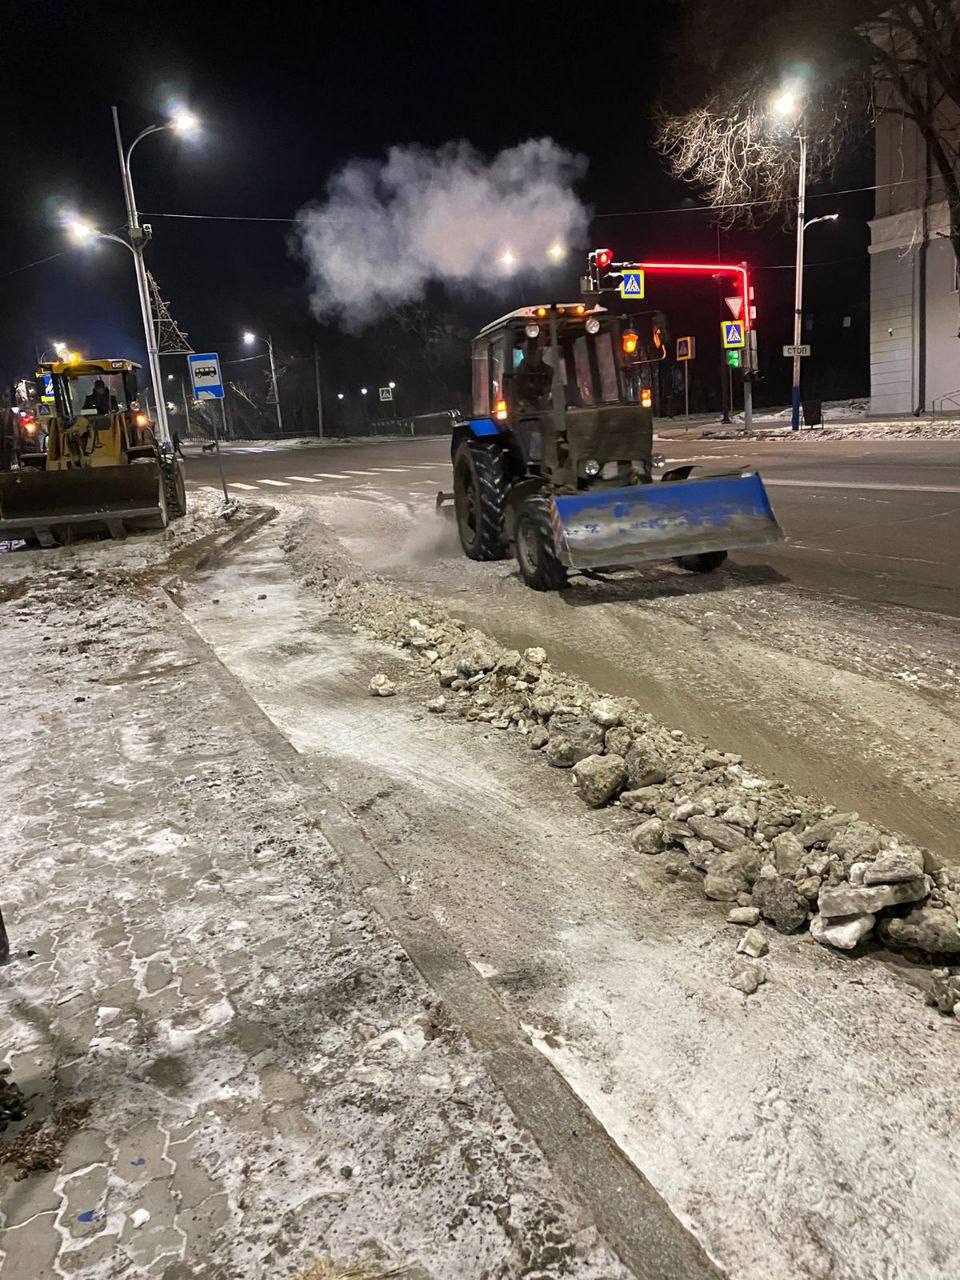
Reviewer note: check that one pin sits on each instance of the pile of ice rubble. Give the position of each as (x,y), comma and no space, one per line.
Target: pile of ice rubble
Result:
(769,854)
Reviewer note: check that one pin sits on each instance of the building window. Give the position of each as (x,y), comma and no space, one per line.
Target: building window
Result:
(846,322)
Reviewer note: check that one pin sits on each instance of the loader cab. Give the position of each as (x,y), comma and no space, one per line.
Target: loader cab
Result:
(91,414)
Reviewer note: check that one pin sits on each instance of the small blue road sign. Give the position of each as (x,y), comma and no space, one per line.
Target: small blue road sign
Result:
(732,331)
(206,376)
(631,284)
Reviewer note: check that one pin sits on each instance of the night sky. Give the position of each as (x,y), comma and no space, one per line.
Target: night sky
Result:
(287,94)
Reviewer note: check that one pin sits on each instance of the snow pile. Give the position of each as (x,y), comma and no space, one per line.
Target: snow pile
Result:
(749,841)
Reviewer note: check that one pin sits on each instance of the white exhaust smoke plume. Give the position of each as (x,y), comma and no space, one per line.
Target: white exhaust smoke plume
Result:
(387,229)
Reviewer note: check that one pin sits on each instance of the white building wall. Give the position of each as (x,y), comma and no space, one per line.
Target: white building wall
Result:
(892,338)
(943,323)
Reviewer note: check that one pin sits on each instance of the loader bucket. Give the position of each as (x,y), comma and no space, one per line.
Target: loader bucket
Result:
(607,528)
(56,506)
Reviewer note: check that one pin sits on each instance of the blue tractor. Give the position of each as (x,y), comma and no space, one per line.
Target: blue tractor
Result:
(555,463)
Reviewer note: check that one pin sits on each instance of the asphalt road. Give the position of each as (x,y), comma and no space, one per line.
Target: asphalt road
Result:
(875,520)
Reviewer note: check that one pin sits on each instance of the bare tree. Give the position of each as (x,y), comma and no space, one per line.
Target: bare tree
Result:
(745,166)
(915,54)
(899,57)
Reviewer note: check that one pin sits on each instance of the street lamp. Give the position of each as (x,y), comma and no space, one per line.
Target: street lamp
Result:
(249,339)
(787,105)
(392,386)
(363,391)
(556,252)
(183,123)
(339,395)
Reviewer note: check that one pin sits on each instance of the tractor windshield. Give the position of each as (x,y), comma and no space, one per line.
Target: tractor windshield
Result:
(589,369)
(94,394)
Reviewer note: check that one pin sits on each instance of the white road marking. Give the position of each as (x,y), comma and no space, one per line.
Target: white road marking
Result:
(236,484)
(330,475)
(280,484)
(305,479)
(863,484)
(359,473)
(397,470)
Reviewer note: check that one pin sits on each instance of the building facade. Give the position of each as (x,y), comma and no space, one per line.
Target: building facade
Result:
(914,301)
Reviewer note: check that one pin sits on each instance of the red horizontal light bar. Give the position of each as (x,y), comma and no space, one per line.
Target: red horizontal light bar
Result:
(705,268)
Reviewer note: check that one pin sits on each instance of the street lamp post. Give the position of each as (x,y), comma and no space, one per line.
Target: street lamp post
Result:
(798,286)
(182,122)
(249,338)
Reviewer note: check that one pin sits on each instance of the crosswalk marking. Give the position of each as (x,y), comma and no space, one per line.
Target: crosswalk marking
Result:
(280,484)
(396,470)
(305,479)
(330,475)
(359,473)
(236,484)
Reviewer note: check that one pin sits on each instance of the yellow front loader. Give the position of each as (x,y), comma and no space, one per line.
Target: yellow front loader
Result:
(99,468)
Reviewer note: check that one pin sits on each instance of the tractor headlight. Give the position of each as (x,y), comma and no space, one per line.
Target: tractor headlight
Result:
(593,325)
(591,467)
(532,331)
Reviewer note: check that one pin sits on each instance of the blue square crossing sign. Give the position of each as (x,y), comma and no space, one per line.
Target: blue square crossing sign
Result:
(631,284)
(732,332)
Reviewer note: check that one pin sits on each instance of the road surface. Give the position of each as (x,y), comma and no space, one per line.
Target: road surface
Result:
(875,520)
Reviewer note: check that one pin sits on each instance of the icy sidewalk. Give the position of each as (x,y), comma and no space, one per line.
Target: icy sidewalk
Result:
(269,1081)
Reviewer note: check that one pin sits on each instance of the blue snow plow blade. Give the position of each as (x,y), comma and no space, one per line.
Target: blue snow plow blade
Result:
(609,527)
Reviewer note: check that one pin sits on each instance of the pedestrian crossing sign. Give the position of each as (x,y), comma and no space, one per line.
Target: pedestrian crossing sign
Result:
(732,332)
(631,284)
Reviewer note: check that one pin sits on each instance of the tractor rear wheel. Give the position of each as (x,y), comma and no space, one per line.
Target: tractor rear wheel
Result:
(480,487)
(535,546)
(705,562)
(174,487)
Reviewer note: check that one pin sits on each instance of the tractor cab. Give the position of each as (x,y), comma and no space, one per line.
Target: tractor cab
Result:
(570,387)
(90,415)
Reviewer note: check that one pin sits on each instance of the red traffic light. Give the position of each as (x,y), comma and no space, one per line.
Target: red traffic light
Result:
(603,258)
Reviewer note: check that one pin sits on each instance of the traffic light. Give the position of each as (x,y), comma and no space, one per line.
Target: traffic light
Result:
(733,358)
(602,258)
(630,340)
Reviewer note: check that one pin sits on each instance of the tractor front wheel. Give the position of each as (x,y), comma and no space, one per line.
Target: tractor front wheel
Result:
(535,547)
(480,488)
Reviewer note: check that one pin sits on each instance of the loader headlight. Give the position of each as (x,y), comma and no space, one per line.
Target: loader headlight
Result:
(532,331)
(593,325)
(591,467)
(141,419)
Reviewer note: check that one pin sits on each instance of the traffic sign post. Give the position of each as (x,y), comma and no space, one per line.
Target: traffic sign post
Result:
(686,351)
(207,382)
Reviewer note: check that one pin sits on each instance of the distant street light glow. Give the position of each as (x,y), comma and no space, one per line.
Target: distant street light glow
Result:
(339,395)
(249,337)
(81,231)
(391,385)
(787,102)
(556,252)
(184,122)
(507,259)
(363,391)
